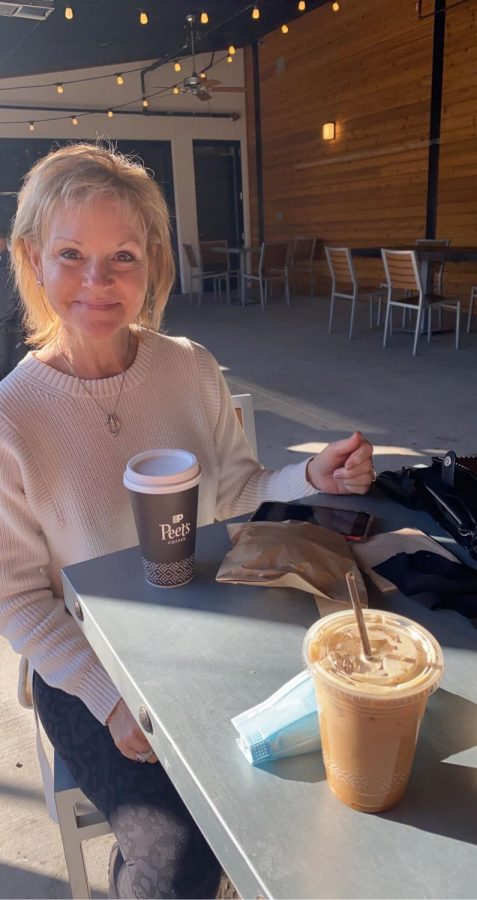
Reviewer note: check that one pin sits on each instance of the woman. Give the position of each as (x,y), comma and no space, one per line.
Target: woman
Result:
(93,263)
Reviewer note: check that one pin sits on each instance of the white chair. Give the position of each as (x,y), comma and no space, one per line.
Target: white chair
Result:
(273,265)
(200,276)
(344,286)
(405,291)
(473,296)
(78,819)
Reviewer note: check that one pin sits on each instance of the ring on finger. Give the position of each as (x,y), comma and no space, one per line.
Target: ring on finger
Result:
(374,475)
(143,757)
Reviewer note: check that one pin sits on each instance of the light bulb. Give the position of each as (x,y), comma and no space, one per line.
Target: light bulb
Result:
(255,12)
(230,59)
(119,78)
(232,50)
(143,18)
(335,6)
(74,120)
(31,126)
(284,29)
(302,6)
(60,89)
(110,114)
(177,66)
(175,90)
(145,102)
(69,12)
(203,75)
(204,18)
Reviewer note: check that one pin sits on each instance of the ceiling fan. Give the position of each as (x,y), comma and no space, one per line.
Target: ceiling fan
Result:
(195,84)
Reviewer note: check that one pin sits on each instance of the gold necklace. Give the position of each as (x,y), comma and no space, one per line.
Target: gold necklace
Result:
(113,422)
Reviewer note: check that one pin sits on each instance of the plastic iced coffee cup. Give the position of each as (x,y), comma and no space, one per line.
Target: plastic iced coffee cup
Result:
(164,486)
(370,710)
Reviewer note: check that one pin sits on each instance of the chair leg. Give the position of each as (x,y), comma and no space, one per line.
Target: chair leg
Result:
(330,323)
(429,325)
(263,288)
(351,321)
(371,311)
(416,333)
(287,289)
(227,288)
(387,319)
(380,307)
(72,849)
(471,310)
(200,289)
(457,325)
(439,317)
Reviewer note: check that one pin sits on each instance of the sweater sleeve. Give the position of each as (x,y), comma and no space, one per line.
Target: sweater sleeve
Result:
(35,622)
(243,482)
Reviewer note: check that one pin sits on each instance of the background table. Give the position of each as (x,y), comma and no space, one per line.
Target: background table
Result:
(425,255)
(198,655)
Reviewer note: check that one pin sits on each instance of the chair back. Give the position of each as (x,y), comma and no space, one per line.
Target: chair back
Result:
(436,268)
(210,256)
(274,255)
(303,249)
(190,256)
(402,270)
(341,267)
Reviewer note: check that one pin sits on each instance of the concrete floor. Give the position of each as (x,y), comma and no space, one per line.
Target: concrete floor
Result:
(309,388)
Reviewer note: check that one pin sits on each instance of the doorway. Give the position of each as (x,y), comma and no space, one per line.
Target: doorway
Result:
(218,187)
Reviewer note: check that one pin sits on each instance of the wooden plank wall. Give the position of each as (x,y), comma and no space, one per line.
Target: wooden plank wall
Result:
(457,209)
(368,68)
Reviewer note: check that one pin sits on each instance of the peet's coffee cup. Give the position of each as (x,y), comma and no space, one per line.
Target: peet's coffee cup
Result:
(164,487)
(370,709)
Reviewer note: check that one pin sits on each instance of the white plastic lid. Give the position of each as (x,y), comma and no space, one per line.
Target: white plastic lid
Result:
(162,471)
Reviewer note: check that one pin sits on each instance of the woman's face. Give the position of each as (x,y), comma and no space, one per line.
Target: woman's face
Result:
(94,267)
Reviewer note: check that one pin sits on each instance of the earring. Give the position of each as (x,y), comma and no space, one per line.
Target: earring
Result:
(39,282)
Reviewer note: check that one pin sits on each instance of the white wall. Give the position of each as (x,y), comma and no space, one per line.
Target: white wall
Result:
(104,93)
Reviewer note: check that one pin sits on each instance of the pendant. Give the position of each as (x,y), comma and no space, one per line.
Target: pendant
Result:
(113,423)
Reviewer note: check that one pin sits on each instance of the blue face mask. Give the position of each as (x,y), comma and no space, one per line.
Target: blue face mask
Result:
(285,724)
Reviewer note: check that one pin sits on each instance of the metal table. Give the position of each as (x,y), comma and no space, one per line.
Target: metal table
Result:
(198,655)
(242,253)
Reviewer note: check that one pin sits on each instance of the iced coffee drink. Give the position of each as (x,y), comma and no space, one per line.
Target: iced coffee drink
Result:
(370,709)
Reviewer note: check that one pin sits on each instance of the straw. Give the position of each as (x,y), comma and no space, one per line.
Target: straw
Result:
(353,592)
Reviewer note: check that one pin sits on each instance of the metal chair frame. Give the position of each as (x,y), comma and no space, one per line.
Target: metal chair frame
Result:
(268,273)
(302,258)
(473,296)
(403,275)
(199,275)
(344,285)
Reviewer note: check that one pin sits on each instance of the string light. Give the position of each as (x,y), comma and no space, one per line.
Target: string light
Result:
(204,17)
(175,89)
(232,50)
(255,12)
(143,17)
(230,59)
(335,6)
(119,78)
(74,120)
(302,6)
(69,13)
(110,114)
(145,102)
(31,126)
(203,75)
(60,89)
(284,29)
(177,66)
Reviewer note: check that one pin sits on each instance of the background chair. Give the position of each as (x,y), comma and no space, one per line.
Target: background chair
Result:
(78,819)
(301,260)
(406,292)
(273,265)
(201,276)
(473,296)
(217,262)
(344,285)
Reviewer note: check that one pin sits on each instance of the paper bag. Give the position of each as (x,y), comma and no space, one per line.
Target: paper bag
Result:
(293,554)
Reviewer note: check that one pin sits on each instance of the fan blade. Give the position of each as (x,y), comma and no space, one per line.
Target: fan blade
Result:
(211,82)
(228,90)
(203,95)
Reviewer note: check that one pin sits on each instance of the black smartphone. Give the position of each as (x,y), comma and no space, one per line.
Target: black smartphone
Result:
(353,525)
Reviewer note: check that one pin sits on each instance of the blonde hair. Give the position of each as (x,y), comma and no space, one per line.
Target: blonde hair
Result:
(76,175)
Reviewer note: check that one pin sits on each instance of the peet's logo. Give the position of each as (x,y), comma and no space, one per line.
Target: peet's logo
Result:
(175,532)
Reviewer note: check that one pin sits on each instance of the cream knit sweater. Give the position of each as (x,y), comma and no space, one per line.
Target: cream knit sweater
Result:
(61,494)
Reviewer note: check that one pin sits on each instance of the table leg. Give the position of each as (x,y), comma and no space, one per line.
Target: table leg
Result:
(242,278)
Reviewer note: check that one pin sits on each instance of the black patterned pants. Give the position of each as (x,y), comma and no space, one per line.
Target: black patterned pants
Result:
(161,852)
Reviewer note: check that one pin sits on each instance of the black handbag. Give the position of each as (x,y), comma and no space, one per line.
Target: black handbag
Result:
(447,489)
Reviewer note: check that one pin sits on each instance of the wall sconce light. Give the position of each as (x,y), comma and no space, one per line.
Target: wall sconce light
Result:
(328,131)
